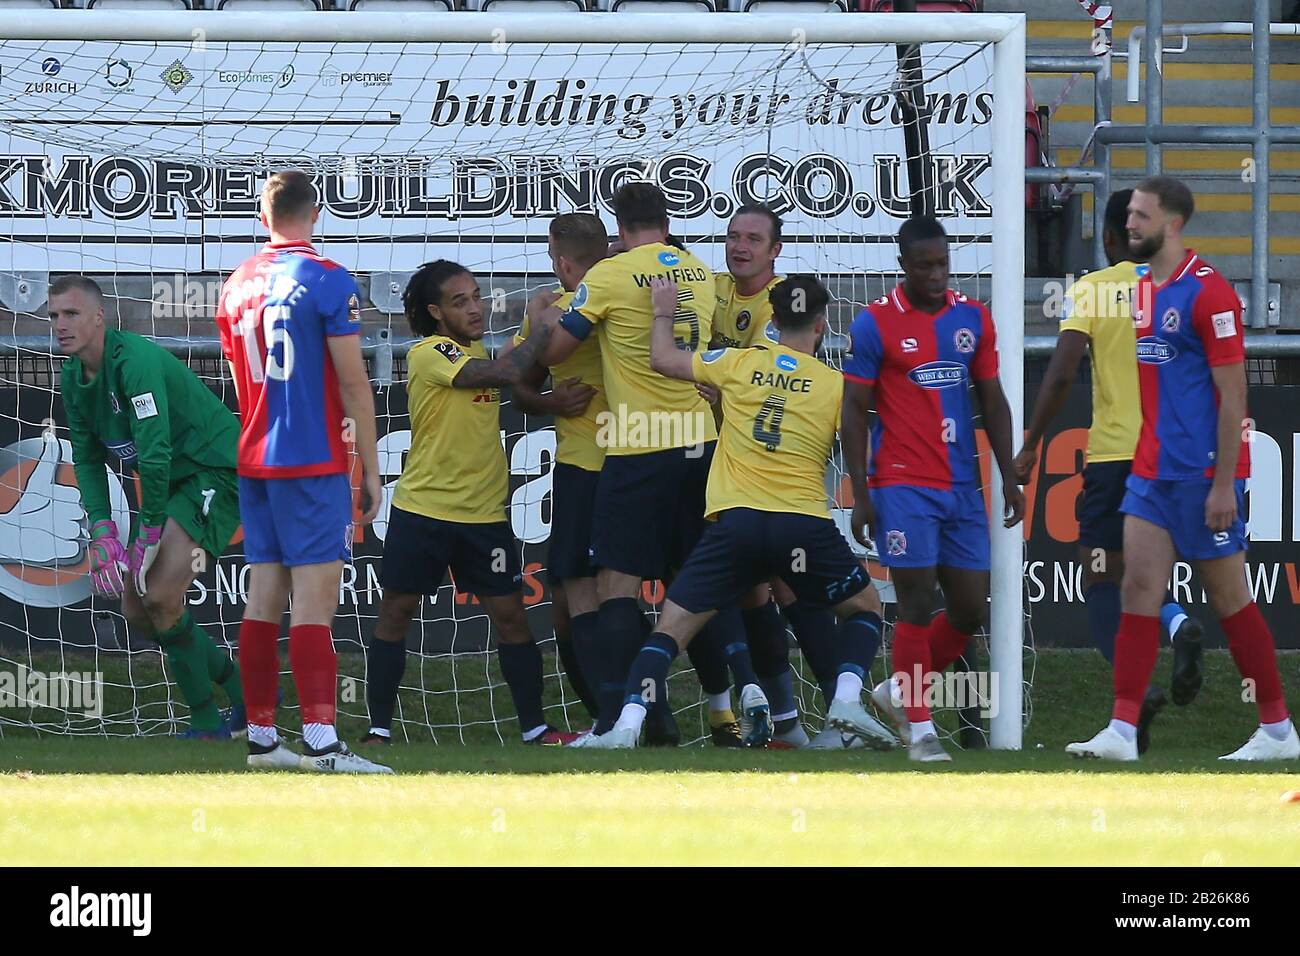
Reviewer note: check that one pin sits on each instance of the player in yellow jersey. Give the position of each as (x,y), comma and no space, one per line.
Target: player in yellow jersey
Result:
(766,501)
(743,318)
(659,438)
(576,242)
(449,507)
(1098,319)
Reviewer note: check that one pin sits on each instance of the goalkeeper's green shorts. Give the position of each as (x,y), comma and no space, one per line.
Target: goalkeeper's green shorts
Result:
(206,505)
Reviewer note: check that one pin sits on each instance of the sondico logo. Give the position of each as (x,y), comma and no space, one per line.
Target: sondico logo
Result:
(75,908)
(43,537)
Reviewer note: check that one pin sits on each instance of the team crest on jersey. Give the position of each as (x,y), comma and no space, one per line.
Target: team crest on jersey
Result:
(742,321)
(964,341)
(580,296)
(1171,320)
(712,355)
(896,543)
(909,345)
(787,363)
(669,258)
(449,351)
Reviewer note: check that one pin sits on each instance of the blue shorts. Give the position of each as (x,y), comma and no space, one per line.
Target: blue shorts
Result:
(1179,508)
(296,521)
(573,497)
(925,527)
(744,547)
(649,510)
(418,550)
(1101,520)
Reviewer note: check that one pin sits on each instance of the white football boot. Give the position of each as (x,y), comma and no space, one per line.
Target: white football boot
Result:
(341,760)
(1263,746)
(755,716)
(928,750)
(279,757)
(617,738)
(883,697)
(1109,744)
(832,738)
(851,717)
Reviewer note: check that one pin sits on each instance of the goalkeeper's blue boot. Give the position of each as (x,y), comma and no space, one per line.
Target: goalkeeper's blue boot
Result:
(220,733)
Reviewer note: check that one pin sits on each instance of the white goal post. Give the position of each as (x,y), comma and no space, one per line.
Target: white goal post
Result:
(489,32)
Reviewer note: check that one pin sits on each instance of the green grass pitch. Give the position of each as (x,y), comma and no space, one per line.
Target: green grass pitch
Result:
(159,801)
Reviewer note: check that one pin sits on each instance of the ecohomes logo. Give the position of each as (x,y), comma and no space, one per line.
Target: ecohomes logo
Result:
(43,537)
(274,79)
(333,78)
(119,74)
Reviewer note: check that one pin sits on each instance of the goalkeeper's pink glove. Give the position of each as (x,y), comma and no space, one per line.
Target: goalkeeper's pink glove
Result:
(107,559)
(143,551)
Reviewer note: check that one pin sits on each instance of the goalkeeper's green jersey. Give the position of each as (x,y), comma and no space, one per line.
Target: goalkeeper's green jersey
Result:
(155,416)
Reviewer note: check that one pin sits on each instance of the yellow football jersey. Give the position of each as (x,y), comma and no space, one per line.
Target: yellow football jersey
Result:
(741,321)
(647,411)
(575,438)
(456,468)
(781,410)
(1100,305)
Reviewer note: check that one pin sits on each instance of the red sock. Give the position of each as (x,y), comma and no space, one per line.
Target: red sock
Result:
(946,642)
(315,671)
(911,658)
(259,669)
(1251,644)
(1136,646)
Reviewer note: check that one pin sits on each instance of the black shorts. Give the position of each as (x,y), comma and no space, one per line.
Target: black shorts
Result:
(649,510)
(1101,523)
(483,558)
(573,499)
(744,547)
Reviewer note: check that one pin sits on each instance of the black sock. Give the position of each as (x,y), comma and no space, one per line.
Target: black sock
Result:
(859,642)
(768,647)
(385,665)
(649,671)
(577,655)
(622,629)
(728,624)
(815,630)
(521,666)
(709,658)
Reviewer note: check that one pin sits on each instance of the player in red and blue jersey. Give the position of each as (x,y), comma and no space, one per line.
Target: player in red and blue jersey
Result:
(290,323)
(915,354)
(1186,491)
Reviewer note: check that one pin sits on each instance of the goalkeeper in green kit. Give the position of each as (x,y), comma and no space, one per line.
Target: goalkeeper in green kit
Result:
(126,395)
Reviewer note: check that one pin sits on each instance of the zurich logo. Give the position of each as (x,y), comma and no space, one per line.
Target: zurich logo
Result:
(669,258)
(50,66)
(938,374)
(712,355)
(786,363)
(1154,351)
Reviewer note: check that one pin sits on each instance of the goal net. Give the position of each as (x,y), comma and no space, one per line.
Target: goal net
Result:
(139,160)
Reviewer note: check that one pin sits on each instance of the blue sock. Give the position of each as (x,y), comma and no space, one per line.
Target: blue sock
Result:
(859,642)
(521,666)
(769,648)
(815,630)
(1170,611)
(647,680)
(1102,604)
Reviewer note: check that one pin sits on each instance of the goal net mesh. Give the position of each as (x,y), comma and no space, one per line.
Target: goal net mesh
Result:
(139,163)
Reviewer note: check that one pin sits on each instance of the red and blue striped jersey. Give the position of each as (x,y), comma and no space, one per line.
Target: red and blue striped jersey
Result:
(1186,326)
(275,315)
(921,366)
